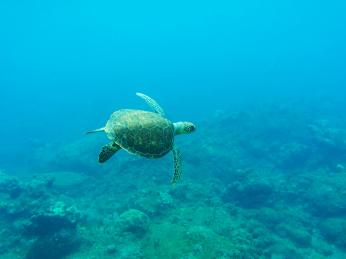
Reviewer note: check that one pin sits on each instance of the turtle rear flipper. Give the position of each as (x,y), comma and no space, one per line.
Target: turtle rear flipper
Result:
(178,166)
(108,151)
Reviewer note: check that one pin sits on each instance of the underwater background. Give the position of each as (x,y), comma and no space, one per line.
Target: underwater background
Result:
(264,174)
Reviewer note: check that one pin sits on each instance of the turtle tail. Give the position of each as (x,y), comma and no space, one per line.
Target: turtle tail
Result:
(97,130)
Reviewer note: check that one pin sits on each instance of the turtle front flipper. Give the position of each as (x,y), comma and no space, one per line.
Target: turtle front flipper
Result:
(108,151)
(152,103)
(178,166)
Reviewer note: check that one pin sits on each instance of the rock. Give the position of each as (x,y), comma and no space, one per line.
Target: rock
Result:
(19,199)
(197,250)
(188,192)
(281,250)
(63,179)
(134,221)
(339,168)
(201,234)
(249,194)
(324,200)
(57,218)
(10,186)
(130,252)
(298,235)
(55,246)
(292,156)
(270,217)
(334,230)
(111,249)
(323,247)
(327,137)
(42,225)
(153,203)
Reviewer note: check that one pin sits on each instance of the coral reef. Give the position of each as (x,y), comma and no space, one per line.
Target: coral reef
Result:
(46,221)
(269,182)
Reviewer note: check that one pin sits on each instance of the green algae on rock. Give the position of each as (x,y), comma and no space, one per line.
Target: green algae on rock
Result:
(133,221)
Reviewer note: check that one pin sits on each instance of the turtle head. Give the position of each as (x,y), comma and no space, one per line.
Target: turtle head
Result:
(184,127)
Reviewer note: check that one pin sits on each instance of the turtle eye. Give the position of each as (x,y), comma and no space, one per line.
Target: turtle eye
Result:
(190,128)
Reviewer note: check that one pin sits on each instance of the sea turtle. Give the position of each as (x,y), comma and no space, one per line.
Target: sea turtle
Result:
(148,134)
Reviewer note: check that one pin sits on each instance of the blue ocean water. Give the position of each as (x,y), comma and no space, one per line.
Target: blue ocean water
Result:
(264,82)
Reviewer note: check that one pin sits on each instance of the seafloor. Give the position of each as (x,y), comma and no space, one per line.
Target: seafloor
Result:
(262,182)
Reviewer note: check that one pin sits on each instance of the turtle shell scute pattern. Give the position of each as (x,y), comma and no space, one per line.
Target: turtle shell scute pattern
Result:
(140,132)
